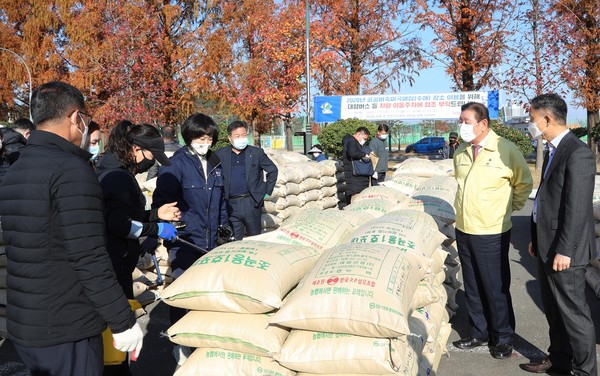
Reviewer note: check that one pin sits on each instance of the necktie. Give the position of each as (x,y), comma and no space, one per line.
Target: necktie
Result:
(475,150)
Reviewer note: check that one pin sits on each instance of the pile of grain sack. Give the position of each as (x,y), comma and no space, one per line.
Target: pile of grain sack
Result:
(301,184)
(592,273)
(362,290)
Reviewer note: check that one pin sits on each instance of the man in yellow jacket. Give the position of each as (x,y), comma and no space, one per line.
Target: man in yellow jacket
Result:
(493,180)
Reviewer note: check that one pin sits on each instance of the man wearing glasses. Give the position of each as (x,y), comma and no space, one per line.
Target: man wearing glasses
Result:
(61,285)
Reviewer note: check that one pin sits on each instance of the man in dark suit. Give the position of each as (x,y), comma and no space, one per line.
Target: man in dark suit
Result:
(563,240)
(244,167)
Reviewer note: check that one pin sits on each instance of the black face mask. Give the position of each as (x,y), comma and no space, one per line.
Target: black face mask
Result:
(144,165)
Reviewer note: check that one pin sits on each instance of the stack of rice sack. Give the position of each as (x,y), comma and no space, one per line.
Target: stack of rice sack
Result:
(351,314)
(3,260)
(233,291)
(301,183)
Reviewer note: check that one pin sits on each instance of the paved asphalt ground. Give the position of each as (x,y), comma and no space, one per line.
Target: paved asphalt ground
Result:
(531,340)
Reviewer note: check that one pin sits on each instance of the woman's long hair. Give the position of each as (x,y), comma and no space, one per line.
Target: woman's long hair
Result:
(120,140)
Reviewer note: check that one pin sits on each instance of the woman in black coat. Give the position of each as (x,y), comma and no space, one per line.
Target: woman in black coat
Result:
(355,149)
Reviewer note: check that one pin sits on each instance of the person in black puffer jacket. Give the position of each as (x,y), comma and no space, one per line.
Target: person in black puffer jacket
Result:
(62,290)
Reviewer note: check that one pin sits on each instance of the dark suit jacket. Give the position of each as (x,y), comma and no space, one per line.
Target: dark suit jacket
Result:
(256,162)
(565,219)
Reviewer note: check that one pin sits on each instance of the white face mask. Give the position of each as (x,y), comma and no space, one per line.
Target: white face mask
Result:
(240,143)
(466,132)
(534,131)
(362,142)
(200,149)
(383,136)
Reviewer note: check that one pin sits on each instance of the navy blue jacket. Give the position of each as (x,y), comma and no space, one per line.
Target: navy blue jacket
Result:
(257,163)
(201,201)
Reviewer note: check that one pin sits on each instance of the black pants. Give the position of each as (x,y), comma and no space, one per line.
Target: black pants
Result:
(486,276)
(571,329)
(182,259)
(85,357)
(244,216)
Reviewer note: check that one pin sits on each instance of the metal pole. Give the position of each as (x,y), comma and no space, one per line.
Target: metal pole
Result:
(28,73)
(308,126)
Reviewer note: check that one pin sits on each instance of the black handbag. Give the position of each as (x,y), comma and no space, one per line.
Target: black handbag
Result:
(362,168)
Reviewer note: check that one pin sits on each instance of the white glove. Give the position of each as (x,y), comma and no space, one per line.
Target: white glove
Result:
(375,175)
(129,340)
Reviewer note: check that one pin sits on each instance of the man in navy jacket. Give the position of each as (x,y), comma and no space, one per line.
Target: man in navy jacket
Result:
(244,168)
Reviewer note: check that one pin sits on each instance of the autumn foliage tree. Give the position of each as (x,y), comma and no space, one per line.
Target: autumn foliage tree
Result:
(470,37)
(362,47)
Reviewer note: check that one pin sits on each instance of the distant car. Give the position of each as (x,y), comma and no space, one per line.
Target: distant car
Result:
(427,145)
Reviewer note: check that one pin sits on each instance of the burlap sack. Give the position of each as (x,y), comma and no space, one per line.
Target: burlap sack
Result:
(243,332)
(218,362)
(3,277)
(374,206)
(420,167)
(360,289)
(283,190)
(245,276)
(335,353)
(328,181)
(380,192)
(310,184)
(3,330)
(3,297)
(316,228)
(310,196)
(3,258)
(408,230)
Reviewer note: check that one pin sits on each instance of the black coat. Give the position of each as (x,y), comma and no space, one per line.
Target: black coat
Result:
(353,151)
(124,202)
(61,287)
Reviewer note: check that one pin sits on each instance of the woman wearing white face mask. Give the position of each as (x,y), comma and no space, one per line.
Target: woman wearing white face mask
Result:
(195,181)
(379,148)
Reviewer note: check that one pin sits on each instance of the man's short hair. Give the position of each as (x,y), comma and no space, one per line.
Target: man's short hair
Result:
(55,100)
(24,124)
(552,103)
(168,132)
(235,125)
(364,130)
(481,111)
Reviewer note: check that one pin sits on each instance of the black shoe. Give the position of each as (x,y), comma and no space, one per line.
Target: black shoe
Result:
(469,343)
(501,351)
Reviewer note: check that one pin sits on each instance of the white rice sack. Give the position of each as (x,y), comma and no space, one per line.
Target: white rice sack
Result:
(243,332)
(407,230)
(308,196)
(438,260)
(436,197)
(446,165)
(328,191)
(284,190)
(269,206)
(270,220)
(379,192)
(404,183)
(315,228)
(282,203)
(328,181)
(432,317)
(597,211)
(327,168)
(420,167)
(360,289)
(245,276)
(289,174)
(329,202)
(310,184)
(374,206)
(343,354)
(426,294)
(215,361)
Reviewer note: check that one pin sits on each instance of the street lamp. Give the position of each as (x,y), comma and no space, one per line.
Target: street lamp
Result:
(28,73)
(308,126)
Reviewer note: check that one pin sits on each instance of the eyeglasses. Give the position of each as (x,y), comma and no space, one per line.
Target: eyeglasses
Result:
(86,118)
